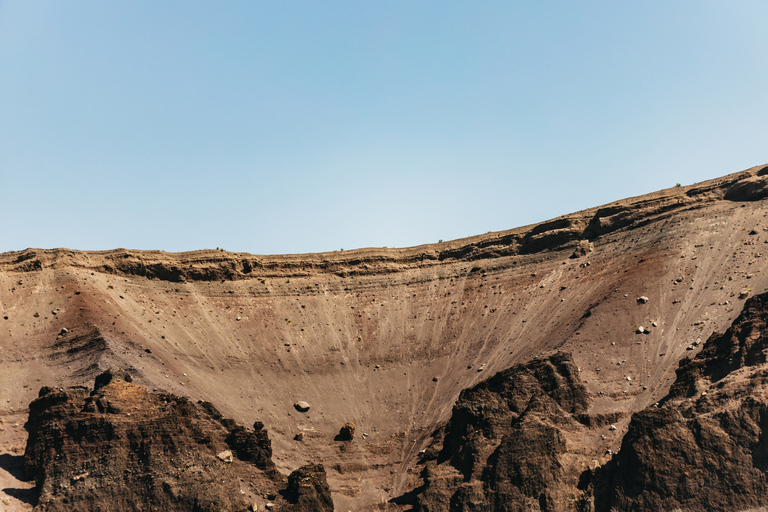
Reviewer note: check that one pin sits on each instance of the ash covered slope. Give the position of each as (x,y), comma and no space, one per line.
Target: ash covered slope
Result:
(388,338)
(124,448)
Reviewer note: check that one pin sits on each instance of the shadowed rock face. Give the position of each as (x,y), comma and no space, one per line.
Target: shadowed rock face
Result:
(121,448)
(706,446)
(308,490)
(509,442)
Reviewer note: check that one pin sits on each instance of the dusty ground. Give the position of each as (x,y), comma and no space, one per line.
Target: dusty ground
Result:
(386,338)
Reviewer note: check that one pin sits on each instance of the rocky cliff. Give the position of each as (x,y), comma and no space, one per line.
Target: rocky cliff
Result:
(121,447)
(705,446)
(514,442)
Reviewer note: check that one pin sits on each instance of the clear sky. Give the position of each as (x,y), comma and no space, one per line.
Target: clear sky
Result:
(308,126)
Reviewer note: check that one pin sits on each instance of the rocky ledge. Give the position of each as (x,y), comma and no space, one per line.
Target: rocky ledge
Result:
(121,447)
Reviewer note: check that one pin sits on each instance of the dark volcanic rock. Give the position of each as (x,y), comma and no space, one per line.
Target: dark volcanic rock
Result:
(121,448)
(308,490)
(706,446)
(506,446)
(252,446)
(106,377)
(347,432)
(517,440)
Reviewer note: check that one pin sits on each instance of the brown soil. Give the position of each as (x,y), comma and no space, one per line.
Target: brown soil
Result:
(387,338)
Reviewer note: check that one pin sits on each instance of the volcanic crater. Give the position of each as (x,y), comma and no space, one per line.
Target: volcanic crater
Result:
(566,335)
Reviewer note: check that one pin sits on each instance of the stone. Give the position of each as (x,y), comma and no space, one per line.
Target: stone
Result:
(308,489)
(142,458)
(251,446)
(301,406)
(347,432)
(642,299)
(80,477)
(111,374)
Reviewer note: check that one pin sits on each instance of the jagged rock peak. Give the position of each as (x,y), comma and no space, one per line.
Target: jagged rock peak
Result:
(507,443)
(743,344)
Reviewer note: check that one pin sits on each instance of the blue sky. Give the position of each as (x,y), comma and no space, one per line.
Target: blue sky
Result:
(291,127)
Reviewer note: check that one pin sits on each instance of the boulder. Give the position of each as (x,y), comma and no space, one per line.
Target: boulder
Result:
(347,432)
(225,456)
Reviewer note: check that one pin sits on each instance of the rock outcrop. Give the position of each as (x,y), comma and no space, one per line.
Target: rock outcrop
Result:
(509,443)
(121,447)
(308,490)
(705,447)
